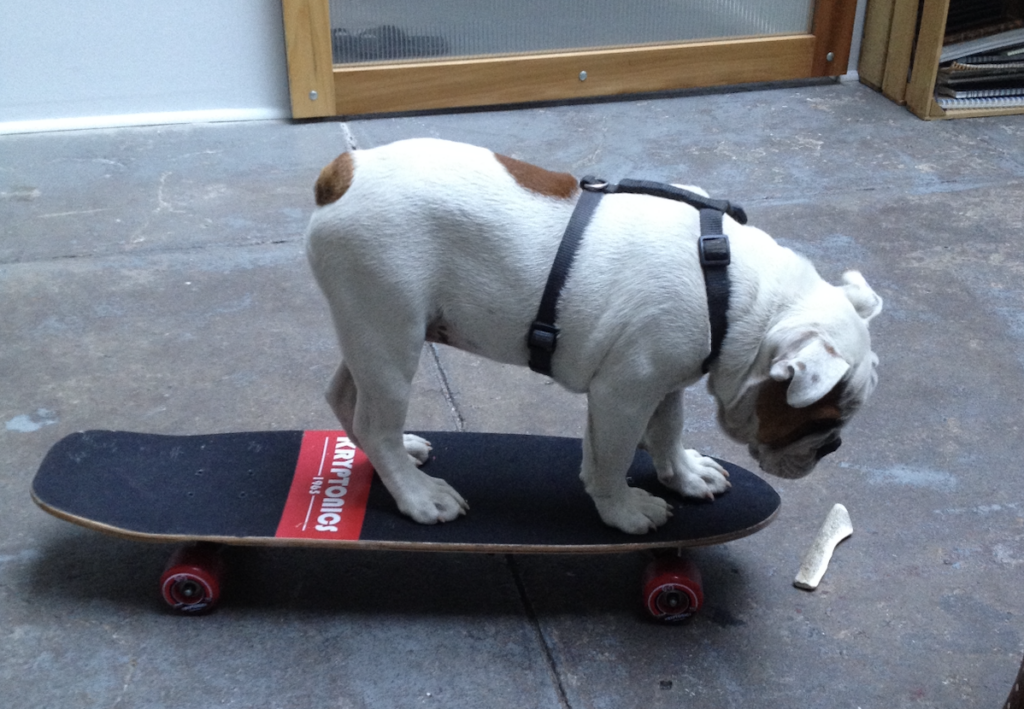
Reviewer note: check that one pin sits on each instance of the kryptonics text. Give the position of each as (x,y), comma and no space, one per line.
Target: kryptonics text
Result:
(332,503)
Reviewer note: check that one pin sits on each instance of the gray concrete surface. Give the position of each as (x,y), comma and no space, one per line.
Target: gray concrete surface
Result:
(153,279)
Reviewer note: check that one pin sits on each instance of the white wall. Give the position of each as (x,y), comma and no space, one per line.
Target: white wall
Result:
(67,64)
(855,44)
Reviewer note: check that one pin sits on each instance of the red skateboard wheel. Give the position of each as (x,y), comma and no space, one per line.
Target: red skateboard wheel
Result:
(192,580)
(672,588)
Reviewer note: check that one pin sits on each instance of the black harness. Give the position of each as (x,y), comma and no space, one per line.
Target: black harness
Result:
(713,248)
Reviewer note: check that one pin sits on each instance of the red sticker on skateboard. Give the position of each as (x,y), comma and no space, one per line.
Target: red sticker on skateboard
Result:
(328,495)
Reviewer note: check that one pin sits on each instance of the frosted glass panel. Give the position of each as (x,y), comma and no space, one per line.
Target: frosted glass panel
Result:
(391,30)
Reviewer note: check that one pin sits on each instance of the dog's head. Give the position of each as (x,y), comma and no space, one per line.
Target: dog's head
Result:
(820,370)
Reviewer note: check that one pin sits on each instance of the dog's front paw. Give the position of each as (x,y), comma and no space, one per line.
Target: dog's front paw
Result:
(696,475)
(417,448)
(429,500)
(634,511)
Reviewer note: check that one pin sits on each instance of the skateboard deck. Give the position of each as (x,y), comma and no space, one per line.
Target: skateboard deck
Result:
(277,487)
(310,488)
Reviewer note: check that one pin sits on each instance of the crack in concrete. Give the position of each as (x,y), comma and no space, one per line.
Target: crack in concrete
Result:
(446,389)
(127,682)
(531,615)
(154,252)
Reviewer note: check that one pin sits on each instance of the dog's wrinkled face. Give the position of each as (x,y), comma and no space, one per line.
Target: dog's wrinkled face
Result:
(788,441)
(791,441)
(818,377)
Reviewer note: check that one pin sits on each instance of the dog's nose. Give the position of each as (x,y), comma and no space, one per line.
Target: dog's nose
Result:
(829,447)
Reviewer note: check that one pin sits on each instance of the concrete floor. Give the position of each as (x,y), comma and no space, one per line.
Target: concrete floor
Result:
(154,279)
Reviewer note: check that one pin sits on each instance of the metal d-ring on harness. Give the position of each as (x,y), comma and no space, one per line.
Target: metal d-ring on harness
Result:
(713,248)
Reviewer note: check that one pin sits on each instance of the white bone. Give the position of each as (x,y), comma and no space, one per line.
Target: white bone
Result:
(836,528)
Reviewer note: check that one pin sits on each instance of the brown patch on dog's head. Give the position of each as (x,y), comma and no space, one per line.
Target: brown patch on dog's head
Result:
(779,424)
(560,185)
(334,180)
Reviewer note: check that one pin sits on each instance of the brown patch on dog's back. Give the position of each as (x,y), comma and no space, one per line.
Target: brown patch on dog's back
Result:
(779,424)
(334,180)
(560,185)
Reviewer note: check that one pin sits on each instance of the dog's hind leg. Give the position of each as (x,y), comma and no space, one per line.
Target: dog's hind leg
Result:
(341,397)
(381,325)
(381,362)
(681,469)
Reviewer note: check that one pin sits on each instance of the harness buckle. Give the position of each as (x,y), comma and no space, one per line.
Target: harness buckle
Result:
(594,184)
(714,250)
(542,337)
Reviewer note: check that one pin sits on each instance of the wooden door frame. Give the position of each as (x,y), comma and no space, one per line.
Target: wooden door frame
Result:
(320,88)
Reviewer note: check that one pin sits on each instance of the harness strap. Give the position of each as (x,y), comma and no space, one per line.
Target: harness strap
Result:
(715,257)
(713,249)
(543,336)
(665,191)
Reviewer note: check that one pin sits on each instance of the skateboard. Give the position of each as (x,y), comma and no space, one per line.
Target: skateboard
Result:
(315,488)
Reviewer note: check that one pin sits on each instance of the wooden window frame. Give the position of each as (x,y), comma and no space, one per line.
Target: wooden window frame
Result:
(320,88)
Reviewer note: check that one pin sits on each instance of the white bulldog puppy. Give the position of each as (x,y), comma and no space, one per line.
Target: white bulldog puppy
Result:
(440,241)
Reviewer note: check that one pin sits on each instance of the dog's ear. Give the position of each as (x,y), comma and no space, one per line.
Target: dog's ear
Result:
(865,301)
(811,366)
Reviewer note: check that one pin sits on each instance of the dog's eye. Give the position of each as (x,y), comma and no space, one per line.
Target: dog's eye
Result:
(831,446)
